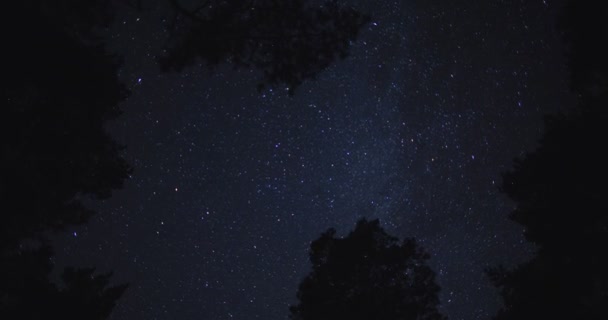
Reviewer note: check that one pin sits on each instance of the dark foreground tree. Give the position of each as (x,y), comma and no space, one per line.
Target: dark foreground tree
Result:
(27,293)
(585,33)
(288,41)
(367,275)
(60,88)
(561,189)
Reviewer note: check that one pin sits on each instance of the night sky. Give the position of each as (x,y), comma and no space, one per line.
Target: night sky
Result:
(414,128)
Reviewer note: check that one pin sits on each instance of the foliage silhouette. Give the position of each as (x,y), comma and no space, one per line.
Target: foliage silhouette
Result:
(60,89)
(27,293)
(54,147)
(585,33)
(367,275)
(288,41)
(560,191)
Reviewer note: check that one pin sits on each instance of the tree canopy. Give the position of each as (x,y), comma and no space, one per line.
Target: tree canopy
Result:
(26,291)
(288,41)
(583,27)
(60,89)
(560,190)
(367,275)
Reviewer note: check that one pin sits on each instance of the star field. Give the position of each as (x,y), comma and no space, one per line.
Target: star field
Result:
(414,128)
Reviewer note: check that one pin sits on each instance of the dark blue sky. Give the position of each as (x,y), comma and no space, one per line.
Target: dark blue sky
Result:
(414,128)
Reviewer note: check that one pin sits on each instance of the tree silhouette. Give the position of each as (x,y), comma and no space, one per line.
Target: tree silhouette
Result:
(560,191)
(60,88)
(367,275)
(288,41)
(585,33)
(27,293)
